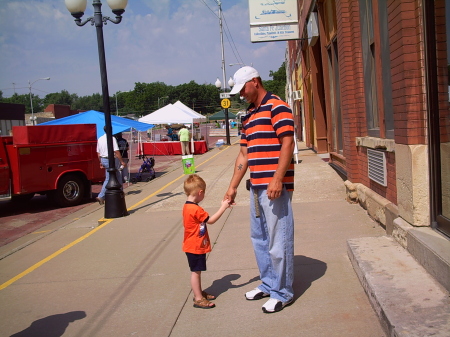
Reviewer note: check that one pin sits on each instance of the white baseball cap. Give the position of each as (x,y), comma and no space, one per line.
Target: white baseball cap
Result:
(242,76)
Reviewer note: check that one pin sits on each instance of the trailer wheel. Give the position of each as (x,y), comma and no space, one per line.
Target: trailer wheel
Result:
(70,191)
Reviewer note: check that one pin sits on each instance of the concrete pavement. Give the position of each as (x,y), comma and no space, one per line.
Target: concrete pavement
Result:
(88,276)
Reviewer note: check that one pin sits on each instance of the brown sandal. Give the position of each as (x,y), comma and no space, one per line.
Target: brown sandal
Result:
(209,297)
(204,304)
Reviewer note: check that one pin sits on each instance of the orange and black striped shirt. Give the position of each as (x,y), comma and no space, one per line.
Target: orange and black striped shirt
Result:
(263,127)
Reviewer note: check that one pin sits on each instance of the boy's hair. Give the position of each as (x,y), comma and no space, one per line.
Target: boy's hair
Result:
(193,183)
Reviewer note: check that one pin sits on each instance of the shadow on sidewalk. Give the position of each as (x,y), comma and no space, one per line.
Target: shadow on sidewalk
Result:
(225,283)
(51,326)
(306,271)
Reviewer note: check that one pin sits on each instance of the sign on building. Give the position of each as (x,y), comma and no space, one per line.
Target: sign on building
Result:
(273,20)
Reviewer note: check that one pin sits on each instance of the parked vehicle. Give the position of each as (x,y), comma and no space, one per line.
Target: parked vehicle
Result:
(57,160)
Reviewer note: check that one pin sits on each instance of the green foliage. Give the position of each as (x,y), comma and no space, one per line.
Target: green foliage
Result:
(62,97)
(93,102)
(148,97)
(278,84)
(25,100)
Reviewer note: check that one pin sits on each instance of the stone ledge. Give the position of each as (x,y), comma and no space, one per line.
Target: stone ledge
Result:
(407,300)
(429,248)
(376,143)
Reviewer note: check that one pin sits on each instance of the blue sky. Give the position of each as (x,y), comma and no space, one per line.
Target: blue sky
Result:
(171,41)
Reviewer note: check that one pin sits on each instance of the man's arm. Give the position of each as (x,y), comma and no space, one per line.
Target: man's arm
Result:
(240,167)
(119,156)
(276,184)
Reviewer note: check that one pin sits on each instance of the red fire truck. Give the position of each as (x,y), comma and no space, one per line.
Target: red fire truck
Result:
(57,160)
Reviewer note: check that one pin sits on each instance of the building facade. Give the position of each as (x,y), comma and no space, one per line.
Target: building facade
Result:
(368,81)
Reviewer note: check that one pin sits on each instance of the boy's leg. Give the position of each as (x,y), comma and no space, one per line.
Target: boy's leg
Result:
(196,284)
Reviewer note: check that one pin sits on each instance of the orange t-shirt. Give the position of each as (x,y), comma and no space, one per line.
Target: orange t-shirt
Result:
(196,238)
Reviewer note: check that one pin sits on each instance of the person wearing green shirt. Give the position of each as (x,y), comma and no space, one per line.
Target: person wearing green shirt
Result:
(183,134)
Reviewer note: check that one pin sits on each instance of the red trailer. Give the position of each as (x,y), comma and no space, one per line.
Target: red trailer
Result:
(57,160)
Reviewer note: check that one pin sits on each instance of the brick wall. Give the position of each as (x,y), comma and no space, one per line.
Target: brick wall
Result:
(407,64)
(61,111)
(352,85)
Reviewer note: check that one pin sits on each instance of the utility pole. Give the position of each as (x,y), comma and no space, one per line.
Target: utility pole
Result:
(227,124)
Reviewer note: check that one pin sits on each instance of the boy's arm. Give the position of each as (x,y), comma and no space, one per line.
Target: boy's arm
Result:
(213,218)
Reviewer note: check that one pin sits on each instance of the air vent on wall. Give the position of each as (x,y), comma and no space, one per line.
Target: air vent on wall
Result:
(297,95)
(377,166)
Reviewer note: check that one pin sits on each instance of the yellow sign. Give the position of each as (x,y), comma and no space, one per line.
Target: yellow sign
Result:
(225,103)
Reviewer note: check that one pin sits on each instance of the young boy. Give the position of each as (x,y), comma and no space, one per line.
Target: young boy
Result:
(196,239)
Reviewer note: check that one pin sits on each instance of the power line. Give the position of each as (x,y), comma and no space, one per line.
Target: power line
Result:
(227,35)
(235,48)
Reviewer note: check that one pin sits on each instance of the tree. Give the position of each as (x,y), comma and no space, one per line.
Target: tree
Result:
(62,97)
(25,100)
(93,102)
(278,83)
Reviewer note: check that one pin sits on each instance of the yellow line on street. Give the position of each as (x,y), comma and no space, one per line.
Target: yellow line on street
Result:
(85,236)
(40,232)
(50,257)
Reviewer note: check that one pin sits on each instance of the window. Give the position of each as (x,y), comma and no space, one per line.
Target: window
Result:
(376,63)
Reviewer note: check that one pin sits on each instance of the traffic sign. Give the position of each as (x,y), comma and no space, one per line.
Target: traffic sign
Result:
(225,103)
(225,95)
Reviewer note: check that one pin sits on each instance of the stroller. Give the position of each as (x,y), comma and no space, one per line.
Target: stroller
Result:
(147,166)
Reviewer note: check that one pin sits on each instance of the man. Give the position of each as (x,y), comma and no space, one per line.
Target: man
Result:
(267,145)
(102,152)
(184,139)
(123,148)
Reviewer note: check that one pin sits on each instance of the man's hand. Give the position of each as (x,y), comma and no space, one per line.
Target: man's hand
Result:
(274,189)
(230,195)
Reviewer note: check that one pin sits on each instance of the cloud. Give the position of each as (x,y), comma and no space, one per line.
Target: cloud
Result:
(158,40)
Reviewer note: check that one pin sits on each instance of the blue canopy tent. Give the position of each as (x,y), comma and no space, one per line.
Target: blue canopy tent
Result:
(119,124)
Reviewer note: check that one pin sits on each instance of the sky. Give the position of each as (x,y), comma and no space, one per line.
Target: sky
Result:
(169,41)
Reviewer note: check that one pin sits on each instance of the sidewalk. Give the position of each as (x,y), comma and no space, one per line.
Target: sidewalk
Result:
(129,277)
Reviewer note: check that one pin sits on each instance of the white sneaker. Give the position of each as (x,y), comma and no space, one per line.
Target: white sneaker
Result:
(255,294)
(274,305)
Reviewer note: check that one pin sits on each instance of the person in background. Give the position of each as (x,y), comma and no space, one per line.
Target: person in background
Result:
(183,134)
(267,146)
(102,152)
(169,132)
(123,148)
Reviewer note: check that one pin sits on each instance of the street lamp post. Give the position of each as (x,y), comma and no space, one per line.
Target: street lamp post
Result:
(117,108)
(31,97)
(114,198)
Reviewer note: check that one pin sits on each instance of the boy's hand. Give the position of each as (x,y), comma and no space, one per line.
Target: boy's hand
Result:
(225,204)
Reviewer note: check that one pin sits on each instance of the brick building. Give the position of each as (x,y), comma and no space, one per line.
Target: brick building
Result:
(368,82)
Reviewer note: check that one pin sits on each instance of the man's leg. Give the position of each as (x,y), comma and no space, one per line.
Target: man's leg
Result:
(105,164)
(260,241)
(279,223)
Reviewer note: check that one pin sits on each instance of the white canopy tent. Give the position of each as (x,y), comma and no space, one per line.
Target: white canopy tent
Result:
(177,113)
(185,108)
(171,114)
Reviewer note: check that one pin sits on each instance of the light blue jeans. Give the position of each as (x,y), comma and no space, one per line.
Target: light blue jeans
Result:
(272,235)
(105,163)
